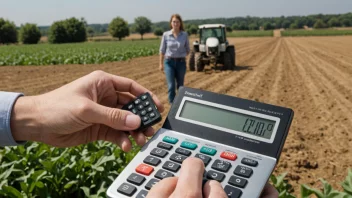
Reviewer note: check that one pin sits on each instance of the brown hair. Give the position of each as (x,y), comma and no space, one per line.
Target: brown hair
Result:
(177,16)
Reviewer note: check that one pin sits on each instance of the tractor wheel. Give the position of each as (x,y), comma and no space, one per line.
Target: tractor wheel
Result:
(199,66)
(191,62)
(228,63)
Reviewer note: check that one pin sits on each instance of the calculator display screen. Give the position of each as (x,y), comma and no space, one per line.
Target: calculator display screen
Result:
(250,125)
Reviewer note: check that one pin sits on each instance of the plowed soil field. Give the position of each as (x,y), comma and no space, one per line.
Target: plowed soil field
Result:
(313,76)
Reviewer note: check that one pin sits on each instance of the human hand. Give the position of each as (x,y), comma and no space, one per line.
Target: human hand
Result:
(189,184)
(82,111)
(161,67)
(269,191)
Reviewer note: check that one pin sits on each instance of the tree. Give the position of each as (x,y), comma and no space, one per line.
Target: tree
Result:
(268,26)
(285,24)
(118,28)
(8,32)
(158,32)
(90,31)
(319,24)
(235,26)
(334,22)
(253,26)
(193,29)
(76,30)
(68,31)
(294,26)
(346,22)
(58,33)
(228,29)
(30,34)
(142,25)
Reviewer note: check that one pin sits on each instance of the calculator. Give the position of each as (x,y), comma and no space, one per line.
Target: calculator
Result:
(239,141)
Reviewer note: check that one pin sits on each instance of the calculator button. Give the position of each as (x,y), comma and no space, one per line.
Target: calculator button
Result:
(143,113)
(137,101)
(127,189)
(134,111)
(145,118)
(177,158)
(159,152)
(144,169)
(204,158)
(208,151)
(237,181)
(152,115)
(188,145)
(150,109)
(164,146)
(136,179)
(130,106)
(154,161)
(221,165)
(171,166)
(140,107)
(232,192)
(146,103)
(144,97)
(243,171)
(183,151)
(162,174)
(151,183)
(170,140)
(249,162)
(229,156)
(215,176)
(142,194)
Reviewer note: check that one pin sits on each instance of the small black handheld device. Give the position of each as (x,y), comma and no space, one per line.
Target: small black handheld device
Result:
(239,141)
(144,107)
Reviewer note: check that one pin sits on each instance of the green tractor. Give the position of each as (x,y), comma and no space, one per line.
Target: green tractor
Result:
(213,49)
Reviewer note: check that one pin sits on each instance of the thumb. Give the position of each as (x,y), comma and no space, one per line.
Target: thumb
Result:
(115,118)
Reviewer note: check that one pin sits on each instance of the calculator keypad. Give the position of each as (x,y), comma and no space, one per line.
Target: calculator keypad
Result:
(165,159)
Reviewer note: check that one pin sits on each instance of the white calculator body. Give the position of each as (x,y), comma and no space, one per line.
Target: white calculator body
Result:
(239,141)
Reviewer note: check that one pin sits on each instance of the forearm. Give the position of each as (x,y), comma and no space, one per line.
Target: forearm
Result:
(161,58)
(25,120)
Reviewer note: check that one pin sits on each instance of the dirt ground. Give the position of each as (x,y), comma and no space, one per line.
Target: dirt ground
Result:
(313,76)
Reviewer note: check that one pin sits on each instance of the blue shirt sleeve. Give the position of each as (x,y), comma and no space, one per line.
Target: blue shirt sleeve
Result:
(187,44)
(163,45)
(7,100)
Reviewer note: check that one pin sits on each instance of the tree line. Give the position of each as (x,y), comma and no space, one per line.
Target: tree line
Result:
(77,30)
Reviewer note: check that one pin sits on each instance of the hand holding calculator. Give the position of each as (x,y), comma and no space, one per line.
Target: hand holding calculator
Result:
(238,140)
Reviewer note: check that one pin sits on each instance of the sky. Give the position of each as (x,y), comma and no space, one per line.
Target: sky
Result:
(45,12)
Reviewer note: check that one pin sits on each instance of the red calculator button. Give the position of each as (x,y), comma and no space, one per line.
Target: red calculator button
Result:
(144,169)
(229,156)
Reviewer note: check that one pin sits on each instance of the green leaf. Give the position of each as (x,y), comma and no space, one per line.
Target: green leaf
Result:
(39,184)
(12,192)
(69,184)
(347,184)
(86,191)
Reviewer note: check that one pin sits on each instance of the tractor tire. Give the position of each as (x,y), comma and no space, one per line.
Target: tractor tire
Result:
(228,63)
(199,66)
(231,50)
(191,62)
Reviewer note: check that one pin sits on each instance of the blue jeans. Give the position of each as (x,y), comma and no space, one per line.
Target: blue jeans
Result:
(175,71)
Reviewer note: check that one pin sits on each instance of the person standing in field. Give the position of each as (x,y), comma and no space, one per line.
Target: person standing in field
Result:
(174,48)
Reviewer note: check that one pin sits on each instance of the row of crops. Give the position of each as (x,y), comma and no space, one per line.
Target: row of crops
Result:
(80,53)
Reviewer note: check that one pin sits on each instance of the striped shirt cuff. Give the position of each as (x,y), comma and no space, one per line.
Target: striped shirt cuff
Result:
(7,100)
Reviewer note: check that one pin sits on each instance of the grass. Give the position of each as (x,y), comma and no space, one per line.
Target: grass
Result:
(251,33)
(321,32)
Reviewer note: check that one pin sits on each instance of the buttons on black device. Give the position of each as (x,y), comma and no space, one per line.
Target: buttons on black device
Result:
(145,107)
